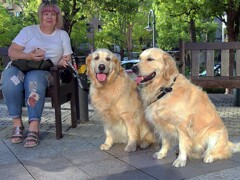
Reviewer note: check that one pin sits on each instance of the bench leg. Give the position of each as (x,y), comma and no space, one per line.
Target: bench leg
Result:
(58,121)
(73,104)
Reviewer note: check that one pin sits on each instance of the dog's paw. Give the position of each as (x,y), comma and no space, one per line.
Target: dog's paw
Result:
(105,147)
(208,159)
(144,144)
(159,155)
(179,163)
(130,148)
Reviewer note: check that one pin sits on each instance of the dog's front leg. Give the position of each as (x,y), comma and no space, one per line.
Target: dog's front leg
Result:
(184,148)
(133,134)
(164,149)
(108,142)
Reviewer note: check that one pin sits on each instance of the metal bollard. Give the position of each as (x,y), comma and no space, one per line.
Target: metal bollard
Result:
(236,93)
(82,99)
(83,102)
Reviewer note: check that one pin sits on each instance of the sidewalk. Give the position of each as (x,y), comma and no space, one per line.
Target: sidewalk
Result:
(77,155)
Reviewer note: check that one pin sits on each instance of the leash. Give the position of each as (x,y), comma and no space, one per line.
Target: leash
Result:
(82,80)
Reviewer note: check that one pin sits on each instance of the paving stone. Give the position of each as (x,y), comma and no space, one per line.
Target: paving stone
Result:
(168,172)
(6,156)
(71,172)
(48,164)
(105,167)
(132,175)
(227,174)
(14,171)
(87,157)
(146,160)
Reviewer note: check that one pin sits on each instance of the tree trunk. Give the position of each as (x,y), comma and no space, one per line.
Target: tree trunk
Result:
(129,40)
(232,31)
(192,31)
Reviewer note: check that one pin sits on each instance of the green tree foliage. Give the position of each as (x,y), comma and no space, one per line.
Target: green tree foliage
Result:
(124,21)
(73,12)
(9,27)
(182,19)
(231,8)
(29,11)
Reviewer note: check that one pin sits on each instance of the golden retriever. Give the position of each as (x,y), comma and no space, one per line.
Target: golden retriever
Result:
(116,100)
(180,111)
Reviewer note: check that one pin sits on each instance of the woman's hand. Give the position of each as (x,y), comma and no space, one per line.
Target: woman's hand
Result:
(63,61)
(15,51)
(36,56)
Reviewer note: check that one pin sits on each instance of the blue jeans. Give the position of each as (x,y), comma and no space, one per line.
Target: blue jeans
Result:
(29,88)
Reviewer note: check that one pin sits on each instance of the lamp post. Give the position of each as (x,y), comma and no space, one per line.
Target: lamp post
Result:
(153,27)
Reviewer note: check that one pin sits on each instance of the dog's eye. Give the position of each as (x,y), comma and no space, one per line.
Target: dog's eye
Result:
(96,58)
(150,59)
(108,59)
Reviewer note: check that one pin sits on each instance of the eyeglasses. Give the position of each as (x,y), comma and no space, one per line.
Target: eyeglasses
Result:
(49,1)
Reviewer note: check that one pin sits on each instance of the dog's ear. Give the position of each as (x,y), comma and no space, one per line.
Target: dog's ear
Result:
(170,66)
(88,61)
(118,65)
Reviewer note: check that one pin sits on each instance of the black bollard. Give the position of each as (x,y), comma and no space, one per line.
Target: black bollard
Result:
(82,89)
(236,94)
(83,101)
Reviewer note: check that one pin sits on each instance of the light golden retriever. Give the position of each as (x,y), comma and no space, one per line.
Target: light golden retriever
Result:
(180,111)
(116,100)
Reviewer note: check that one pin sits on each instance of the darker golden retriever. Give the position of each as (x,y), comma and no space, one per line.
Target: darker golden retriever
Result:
(180,111)
(115,98)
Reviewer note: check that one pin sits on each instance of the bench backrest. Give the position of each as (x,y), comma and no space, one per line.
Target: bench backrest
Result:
(4,56)
(207,54)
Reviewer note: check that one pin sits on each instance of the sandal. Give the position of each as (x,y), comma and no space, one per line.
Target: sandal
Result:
(32,137)
(17,134)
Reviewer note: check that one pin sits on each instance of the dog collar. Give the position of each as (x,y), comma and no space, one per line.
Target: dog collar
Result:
(164,91)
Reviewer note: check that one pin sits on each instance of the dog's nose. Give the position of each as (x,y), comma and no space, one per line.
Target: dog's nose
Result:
(101,67)
(135,69)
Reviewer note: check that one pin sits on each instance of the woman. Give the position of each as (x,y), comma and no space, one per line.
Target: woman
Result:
(34,43)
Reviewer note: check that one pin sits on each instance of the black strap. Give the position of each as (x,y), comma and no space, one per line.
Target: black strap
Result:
(164,91)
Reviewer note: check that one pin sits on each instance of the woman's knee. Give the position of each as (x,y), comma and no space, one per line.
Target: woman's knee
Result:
(12,80)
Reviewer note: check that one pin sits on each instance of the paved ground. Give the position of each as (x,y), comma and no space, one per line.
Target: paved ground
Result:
(77,155)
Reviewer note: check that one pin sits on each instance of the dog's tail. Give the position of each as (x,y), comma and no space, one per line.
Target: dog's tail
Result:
(235,147)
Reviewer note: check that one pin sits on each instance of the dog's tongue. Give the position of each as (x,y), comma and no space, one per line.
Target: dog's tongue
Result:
(139,79)
(101,77)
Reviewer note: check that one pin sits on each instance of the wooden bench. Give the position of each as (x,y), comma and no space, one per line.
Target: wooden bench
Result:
(59,93)
(204,55)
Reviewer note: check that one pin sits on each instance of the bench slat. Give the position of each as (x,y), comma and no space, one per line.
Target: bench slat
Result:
(210,63)
(195,62)
(212,45)
(217,81)
(225,63)
(238,62)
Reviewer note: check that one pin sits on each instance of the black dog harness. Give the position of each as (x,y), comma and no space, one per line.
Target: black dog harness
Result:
(164,91)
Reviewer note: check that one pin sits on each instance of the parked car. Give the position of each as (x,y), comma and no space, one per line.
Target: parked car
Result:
(217,71)
(127,65)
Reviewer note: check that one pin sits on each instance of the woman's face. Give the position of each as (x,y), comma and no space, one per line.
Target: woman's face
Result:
(49,19)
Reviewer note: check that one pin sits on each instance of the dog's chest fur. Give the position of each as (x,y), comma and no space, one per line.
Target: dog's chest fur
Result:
(111,101)
(158,115)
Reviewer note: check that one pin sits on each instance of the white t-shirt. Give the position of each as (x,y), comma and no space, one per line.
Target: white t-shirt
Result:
(56,44)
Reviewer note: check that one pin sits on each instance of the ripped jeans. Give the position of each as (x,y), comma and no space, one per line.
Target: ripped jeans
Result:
(33,83)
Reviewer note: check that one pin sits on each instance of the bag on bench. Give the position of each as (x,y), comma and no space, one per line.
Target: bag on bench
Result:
(28,65)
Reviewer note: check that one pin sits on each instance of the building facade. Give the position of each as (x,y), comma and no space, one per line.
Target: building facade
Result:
(11,7)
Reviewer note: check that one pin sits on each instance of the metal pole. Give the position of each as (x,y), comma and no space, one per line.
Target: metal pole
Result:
(154,28)
(93,38)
